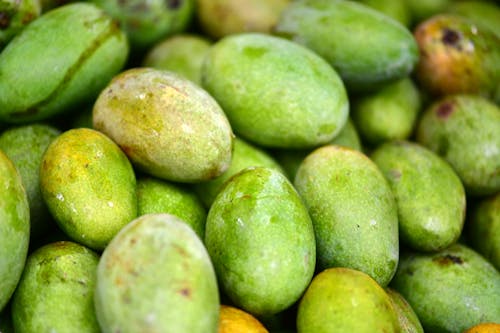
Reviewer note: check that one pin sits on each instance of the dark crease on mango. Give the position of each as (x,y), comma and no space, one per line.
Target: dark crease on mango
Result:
(448,259)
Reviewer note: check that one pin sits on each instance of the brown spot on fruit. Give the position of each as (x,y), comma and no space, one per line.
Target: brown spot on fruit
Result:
(444,110)
(173,4)
(185,292)
(4,20)
(448,260)
(450,37)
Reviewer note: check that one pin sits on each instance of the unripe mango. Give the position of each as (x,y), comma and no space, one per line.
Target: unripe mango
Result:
(408,320)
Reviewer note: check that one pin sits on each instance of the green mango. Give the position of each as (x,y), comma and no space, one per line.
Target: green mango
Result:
(159,196)
(167,125)
(219,18)
(429,195)
(181,53)
(275,93)
(366,47)
(89,186)
(55,293)
(465,131)
(156,276)
(14,228)
(63,58)
(483,228)
(450,290)
(389,113)
(353,211)
(345,300)
(408,320)
(484,14)
(25,145)
(14,16)
(244,155)
(261,241)
(395,9)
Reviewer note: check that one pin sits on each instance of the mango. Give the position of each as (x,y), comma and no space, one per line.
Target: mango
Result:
(87,49)
(56,291)
(345,300)
(244,155)
(457,57)
(484,328)
(353,210)
(156,276)
(258,235)
(15,15)
(484,14)
(395,9)
(407,318)
(450,290)
(89,186)
(234,320)
(219,18)
(25,145)
(429,195)
(465,131)
(167,125)
(159,196)
(14,228)
(275,93)
(366,47)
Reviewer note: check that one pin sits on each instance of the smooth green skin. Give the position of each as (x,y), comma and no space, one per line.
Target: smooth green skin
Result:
(261,241)
(483,229)
(86,50)
(429,195)
(182,54)
(366,47)
(275,93)
(159,196)
(389,113)
(220,18)
(25,145)
(353,211)
(156,276)
(147,22)
(244,155)
(167,125)
(56,291)
(451,290)
(16,14)
(395,9)
(484,14)
(14,228)
(89,186)
(290,159)
(465,131)
(408,320)
(345,300)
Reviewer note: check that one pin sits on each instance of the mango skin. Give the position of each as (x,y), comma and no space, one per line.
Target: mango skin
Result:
(25,146)
(158,196)
(14,228)
(86,50)
(345,300)
(259,234)
(465,131)
(353,211)
(58,282)
(482,13)
(366,47)
(450,290)
(275,93)
(408,320)
(15,16)
(131,297)
(233,320)
(168,126)
(429,195)
(89,186)
(395,9)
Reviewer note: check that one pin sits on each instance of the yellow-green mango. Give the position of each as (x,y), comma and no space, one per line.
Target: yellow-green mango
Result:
(15,15)
(159,196)
(429,195)
(63,58)
(450,290)
(168,126)
(244,155)
(366,47)
(14,228)
(275,93)
(408,320)
(465,131)
(156,276)
(56,291)
(25,146)
(89,186)
(353,211)
(345,300)
(261,241)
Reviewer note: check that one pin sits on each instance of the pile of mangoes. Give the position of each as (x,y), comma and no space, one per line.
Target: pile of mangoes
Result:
(238,166)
